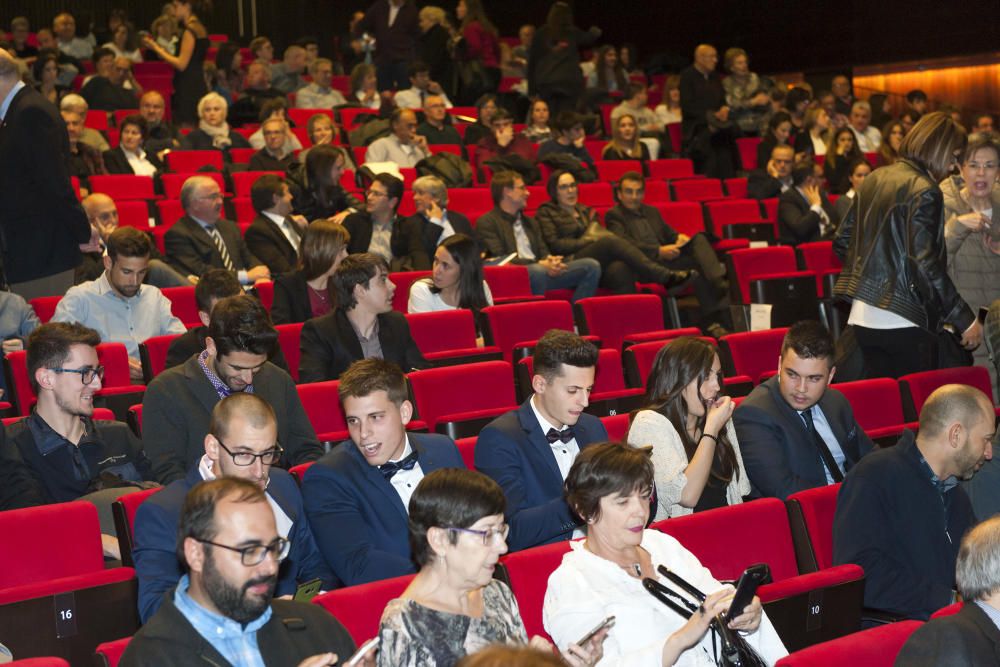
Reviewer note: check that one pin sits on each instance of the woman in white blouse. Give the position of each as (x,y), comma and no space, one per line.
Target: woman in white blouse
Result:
(129,157)
(688,424)
(456,281)
(609,487)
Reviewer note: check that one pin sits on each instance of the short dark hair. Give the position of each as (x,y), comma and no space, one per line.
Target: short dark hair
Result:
(566,121)
(802,170)
(503,180)
(632,89)
(916,95)
(242,324)
(450,498)
(501,114)
(264,190)
(250,407)
(356,269)
(416,67)
(136,121)
(213,285)
(810,340)
(796,96)
(198,512)
(558,347)
(366,376)
(604,469)
(270,106)
(49,345)
(101,52)
(128,242)
(393,186)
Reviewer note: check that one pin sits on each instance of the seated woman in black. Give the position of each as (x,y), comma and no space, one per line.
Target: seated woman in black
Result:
(486,106)
(839,155)
(129,157)
(213,132)
(778,129)
(307,292)
(315,185)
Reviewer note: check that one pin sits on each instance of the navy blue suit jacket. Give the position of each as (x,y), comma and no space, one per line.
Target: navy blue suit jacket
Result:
(359,520)
(777,453)
(513,451)
(156,520)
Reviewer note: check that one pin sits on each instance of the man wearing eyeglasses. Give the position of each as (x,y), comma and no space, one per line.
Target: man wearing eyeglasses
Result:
(242,442)
(379,229)
(59,453)
(222,611)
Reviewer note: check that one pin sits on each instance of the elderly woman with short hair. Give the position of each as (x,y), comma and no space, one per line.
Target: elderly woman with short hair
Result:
(609,487)
(454,606)
(213,132)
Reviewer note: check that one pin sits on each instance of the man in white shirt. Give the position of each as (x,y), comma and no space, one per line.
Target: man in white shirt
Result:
(64,27)
(286,76)
(421,86)
(319,94)
(404,146)
(868,137)
(275,235)
(356,496)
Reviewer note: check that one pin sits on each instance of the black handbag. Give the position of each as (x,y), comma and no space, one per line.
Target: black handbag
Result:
(732,649)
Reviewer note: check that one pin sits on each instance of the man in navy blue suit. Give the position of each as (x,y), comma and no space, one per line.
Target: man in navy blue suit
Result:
(242,442)
(529,451)
(357,495)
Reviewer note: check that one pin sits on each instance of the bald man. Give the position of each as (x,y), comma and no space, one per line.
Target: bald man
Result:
(901,512)
(41,221)
(160,135)
(709,136)
(103,216)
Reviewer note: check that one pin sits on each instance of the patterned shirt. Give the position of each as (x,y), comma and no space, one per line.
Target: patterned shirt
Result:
(221,388)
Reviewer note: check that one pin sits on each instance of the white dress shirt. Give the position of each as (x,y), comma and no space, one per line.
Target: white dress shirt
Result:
(284,224)
(869,140)
(411,98)
(282,521)
(423,300)
(405,482)
(564,452)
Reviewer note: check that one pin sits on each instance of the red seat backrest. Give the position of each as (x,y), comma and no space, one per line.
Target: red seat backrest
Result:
(469,201)
(922,385)
(612,170)
(818,507)
(45,307)
(133,213)
(348,116)
(697,190)
(467,448)
(53,541)
(243,180)
(684,217)
(170,212)
(657,192)
(123,186)
(529,572)
(645,353)
(321,401)
(875,647)
(443,330)
(241,155)
(748,152)
(515,323)
(760,528)
(736,187)
(18,383)
(156,349)
(671,168)
(819,256)
(183,304)
(299,471)
(112,651)
(616,426)
(486,385)
(114,358)
(733,210)
(265,292)
(288,339)
(507,281)
(751,262)
(302,116)
(403,280)
(595,194)
(754,352)
(359,608)
(614,317)
(181,162)
(876,402)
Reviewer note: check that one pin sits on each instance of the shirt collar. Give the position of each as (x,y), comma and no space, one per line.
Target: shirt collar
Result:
(10,98)
(104,288)
(47,440)
(139,154)
(991,611)
(204,225)
(542,421)
(210,624)
(278,220)
(221,388)
(407,449)
(943,486)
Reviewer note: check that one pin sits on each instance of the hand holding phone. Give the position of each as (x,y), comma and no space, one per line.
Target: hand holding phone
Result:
(751,578)
(606,623)
(366,648)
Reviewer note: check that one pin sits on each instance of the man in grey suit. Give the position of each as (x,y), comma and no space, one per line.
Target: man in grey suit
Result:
(203,240)
(795,432)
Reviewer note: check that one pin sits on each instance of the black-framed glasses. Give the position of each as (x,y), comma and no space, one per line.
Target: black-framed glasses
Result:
(268,458)
(256,553)
(87,373)
(489,536)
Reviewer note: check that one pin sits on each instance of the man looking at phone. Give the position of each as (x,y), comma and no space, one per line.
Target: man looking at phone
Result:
(222,612)
(795,432)
(241,442)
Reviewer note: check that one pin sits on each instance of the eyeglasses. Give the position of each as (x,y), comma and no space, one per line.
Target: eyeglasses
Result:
(489,535)
(268,458)
(256,553)
(984,166)
(568,186)
(87,373)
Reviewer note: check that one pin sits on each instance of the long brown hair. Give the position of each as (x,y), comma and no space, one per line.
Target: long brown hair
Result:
(474,12)
(677,364)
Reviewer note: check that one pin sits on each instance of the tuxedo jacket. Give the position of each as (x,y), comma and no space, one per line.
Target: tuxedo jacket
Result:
(406,241)
(430,233)
(267,242)
(778,454)
(513,451)
(797,223)
(193,252)
(329,345)
(41,221)
(969,637)
(156,565)
(358,519)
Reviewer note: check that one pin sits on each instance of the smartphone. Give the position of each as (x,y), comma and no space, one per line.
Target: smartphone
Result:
(307,591)
(751,578)
(606,623)
(365,649)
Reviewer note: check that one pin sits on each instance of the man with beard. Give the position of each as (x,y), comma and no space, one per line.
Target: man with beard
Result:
(242,441)
(117,305)
(222,612)
(901,512)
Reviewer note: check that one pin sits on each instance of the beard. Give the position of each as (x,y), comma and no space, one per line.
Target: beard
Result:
(236,603)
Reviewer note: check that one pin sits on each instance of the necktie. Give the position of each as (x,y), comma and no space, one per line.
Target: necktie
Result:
(292,237)
(389,469)
(524,249)
(227,261)
(563,436)
(824,451)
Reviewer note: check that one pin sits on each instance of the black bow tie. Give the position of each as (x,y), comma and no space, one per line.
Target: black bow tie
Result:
(389,469)
(564,435)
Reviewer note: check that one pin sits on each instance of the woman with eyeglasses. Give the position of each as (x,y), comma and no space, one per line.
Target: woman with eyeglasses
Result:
(687,421)
(454,606)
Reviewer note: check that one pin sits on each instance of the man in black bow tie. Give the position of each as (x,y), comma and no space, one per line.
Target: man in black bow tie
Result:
(529,451)
(357,495)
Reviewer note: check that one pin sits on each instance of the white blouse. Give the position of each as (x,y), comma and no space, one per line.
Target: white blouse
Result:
(141,166)
(423,300)
(585,589)
(670,461)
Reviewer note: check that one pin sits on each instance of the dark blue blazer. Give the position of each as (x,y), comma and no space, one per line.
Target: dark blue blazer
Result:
(359,520)
(777,453)
(513,451)
(155,554)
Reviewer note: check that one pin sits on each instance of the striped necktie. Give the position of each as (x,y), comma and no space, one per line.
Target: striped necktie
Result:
(227,261)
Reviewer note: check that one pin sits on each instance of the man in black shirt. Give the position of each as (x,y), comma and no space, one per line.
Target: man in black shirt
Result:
(436,126)
(709,135)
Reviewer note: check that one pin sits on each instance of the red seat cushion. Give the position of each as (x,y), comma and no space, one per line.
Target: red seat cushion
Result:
(529,572)
(876,647)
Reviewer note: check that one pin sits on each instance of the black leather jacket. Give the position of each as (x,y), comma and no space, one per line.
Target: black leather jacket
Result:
(892,247)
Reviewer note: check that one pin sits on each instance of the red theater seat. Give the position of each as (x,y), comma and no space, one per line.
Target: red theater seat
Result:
(810,515)
(638,359)
(360,608)
(697,190)
(109,653)
(123,186)
(612,170)
(671,169)
(243,180)
(916,388)
(321,402)
(153,355)
(288,339)
(460,400)
(528,572)
(123,510)
(183,305)
(187,162)
(753,353)
(45,307)
(448,337)
(509,283)
(876,647)
(467,448)
(877,406)
(515,327)
(622,320)
(403,280)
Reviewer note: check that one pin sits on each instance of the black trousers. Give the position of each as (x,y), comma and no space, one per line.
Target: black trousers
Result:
(897,352)
(609,250)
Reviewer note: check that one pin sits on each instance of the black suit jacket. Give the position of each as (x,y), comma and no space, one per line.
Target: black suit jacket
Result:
(430,233)
(406,241)
(329,345)
(115,161)
(777,453)
(193,252)
(264,161)
(966,638)
(41,221)
(291,299)
(266,240)
(761,185)
(797,223)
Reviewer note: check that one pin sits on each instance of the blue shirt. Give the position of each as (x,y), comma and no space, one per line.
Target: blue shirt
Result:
(235,642)
(10,98)
(990,611)
(826,433)
(119,320)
